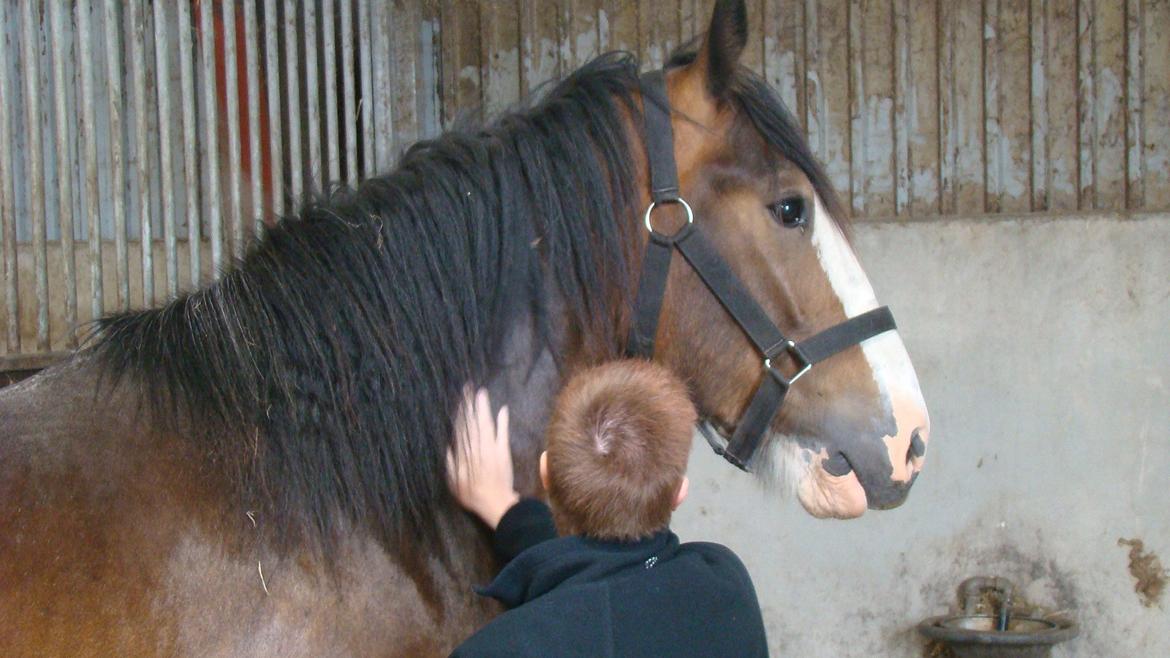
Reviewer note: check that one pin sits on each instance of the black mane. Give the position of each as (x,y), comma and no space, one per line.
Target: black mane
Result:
(324,368)
(326,365)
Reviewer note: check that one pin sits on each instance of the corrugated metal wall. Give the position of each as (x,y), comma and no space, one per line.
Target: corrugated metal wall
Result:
(177,124)
(142,143)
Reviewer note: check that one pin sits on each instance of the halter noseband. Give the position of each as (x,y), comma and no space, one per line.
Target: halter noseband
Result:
(718,276)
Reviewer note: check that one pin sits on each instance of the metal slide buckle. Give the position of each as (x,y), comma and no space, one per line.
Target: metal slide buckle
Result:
(797,356)
(686,206)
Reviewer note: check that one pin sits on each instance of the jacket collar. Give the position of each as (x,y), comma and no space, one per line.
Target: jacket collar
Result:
(574,561)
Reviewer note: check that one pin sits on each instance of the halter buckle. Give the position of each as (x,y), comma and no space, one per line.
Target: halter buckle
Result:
(797,356)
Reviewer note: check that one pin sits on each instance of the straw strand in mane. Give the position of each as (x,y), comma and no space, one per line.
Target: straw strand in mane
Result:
(323,369)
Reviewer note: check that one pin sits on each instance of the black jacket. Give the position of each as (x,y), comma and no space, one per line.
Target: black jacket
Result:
(573,596)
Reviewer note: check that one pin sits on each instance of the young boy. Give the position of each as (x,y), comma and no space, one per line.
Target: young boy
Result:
(617,582)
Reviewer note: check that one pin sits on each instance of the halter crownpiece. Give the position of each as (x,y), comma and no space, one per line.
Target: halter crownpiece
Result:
(769,341)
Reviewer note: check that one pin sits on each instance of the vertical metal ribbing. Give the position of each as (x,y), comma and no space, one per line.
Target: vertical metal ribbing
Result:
(312,95)
(1087,104)
(210,146)
(255,166)
(141,137)
(428,76)
(383,144)
(35,172)
(348,111)
(1039,104)
(166,164)
(859,125)
(64,162)
(1134,104)
(8,202)
(903,97)
(291,36)
(190,132)
(367,103)
(89,139)
(114,75)
(231,67)
(275,143)
(332,143)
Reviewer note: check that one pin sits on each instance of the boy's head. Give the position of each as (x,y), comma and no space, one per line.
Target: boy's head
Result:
(618,443)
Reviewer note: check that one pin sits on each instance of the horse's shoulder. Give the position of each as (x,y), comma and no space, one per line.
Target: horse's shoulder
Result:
(91,503)
(61,417)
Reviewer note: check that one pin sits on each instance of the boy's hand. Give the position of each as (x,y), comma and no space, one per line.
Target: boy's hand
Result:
(481,479)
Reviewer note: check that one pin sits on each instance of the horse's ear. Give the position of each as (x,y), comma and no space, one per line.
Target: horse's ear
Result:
(725,41)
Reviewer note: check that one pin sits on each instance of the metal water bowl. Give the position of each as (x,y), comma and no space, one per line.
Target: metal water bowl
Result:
(970,634)
(975,636)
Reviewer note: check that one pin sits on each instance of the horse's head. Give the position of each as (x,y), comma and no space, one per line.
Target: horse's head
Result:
(852,432)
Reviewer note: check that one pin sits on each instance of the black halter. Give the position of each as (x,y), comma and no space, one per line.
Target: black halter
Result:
(767,338)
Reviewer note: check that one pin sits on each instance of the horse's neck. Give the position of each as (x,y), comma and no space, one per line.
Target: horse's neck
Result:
(530,373)
(527,382)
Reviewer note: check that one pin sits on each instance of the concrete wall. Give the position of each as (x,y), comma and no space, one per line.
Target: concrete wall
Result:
(1041,346)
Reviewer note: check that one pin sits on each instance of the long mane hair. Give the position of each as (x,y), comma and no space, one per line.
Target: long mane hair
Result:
(323,369)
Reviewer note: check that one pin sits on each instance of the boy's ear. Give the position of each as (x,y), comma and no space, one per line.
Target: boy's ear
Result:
(726,38)
(683,488)
(544,470)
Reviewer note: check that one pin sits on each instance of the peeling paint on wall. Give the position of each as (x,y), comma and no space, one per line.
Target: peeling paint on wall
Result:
(1148,575)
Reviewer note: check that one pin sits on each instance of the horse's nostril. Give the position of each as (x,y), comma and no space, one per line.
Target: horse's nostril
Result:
(837,465)
(917,445)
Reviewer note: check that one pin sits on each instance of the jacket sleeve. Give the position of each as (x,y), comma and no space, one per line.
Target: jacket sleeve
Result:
(525,524)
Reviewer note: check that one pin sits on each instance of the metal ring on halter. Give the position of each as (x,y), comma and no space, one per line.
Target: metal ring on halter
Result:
(686,206)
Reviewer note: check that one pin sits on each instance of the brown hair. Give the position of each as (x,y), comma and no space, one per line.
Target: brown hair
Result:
(618,443)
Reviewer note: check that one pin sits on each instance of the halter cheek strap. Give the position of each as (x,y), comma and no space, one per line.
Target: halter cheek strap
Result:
(769,342)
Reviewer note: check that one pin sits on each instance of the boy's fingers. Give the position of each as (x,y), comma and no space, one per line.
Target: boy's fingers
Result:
(466,414)
(502,426)
(483,414)
(452,474)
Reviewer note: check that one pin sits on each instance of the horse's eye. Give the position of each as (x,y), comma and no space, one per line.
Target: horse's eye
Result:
(790,212)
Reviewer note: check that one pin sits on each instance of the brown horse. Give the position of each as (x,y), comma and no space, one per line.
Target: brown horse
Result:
(257,467)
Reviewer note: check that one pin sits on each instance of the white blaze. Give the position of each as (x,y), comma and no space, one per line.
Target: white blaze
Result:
(892,371)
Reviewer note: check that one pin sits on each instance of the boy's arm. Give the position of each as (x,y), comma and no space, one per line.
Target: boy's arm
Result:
(481,479)
(528,523)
